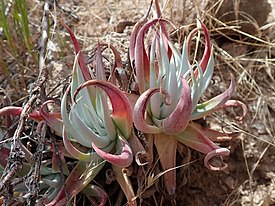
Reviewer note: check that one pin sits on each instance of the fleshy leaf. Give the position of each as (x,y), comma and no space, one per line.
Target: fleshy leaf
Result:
(213,104)
(220,152)
(193,137)
(207,49)
(121,107)
(68,125)
(140,112)
(235,103)
(55,123)
(214,135)
(57,161)
(85,157)
(166,146)
(200,84)
(100,140)
(124,159)
(83,66)
(96,191)
(178,120)
(79,178)
(16,111)
(134,34)
(100,73)
(142,63)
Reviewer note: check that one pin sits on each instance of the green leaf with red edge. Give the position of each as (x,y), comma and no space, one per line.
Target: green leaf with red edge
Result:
(56,161)
(207,50)
(95,191)
(124,157)
(79,178)
(55,123)
(178,120)
(213,104)
(140,108)
(134,34)
(195,138)
(121,107)
(83,66)
(76,153)
(215,135)
(142,63)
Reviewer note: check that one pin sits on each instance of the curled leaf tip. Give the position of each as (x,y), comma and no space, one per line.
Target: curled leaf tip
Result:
(236,103)
(140,112)
(220,152)
(124,159)
(122,113)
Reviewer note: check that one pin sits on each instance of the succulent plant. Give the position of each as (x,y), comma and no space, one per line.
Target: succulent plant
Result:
(170,89)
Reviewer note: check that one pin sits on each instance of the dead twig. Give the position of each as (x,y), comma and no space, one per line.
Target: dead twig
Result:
(17,156)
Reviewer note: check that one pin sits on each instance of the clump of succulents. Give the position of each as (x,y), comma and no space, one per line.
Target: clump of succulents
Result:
(97,118)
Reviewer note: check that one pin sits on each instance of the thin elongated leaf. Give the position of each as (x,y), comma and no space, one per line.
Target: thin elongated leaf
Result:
(192,138)
(83,66)
(90,135)
(207,50)
(142,63)
(134,34)
(213,104)
(16,111)
(59,159)
(185,65)
(95,191)
(155,99)
(235,103)
(172,90)
(214,135)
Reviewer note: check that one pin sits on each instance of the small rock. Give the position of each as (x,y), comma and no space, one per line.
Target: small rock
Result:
(243,13)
